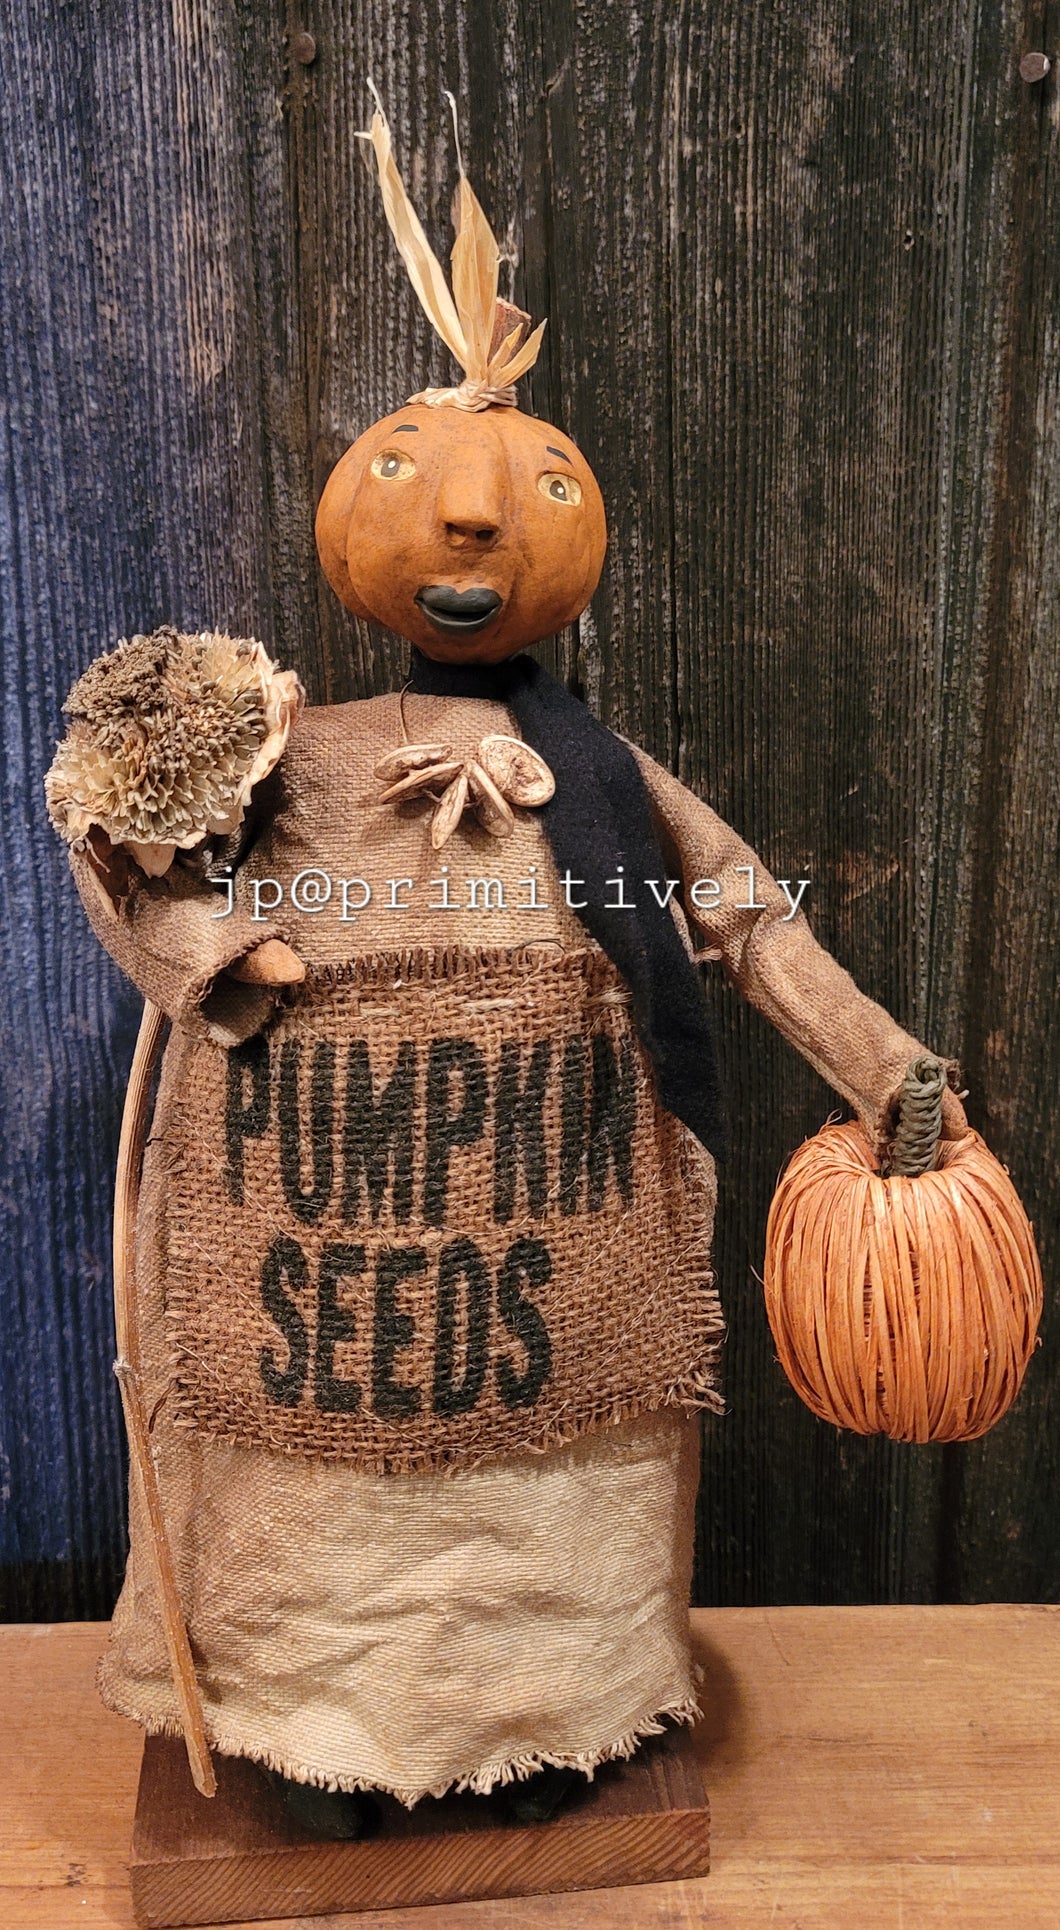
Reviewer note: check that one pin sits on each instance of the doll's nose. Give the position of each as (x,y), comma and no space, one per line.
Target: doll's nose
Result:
(473,531)
(469,507)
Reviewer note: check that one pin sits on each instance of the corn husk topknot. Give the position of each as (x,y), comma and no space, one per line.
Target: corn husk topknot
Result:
(491,339)
(168,736)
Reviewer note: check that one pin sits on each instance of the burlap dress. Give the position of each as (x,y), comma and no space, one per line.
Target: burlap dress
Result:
(463,1621)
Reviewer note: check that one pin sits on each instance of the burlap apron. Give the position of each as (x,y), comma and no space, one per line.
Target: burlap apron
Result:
(436,1213)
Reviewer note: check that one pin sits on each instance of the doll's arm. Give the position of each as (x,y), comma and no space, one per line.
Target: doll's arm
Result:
(774,959)
(215,974)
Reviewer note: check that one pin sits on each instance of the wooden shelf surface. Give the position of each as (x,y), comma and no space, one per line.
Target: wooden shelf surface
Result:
(892,1768)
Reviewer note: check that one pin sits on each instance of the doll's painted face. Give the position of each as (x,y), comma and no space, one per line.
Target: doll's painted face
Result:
(470,534)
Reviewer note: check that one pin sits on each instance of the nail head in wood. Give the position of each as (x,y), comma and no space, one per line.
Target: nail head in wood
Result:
(1034,67)
(303,49)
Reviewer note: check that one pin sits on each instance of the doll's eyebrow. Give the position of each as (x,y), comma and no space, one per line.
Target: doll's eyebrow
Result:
(561,453)
(412,429)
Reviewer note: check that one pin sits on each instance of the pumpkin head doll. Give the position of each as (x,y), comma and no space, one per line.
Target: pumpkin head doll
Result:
(423,1248)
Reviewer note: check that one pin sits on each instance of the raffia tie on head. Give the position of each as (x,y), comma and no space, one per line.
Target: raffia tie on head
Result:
(468,395)
(487,336)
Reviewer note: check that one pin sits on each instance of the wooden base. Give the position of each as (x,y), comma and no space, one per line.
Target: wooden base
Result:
(240,1858)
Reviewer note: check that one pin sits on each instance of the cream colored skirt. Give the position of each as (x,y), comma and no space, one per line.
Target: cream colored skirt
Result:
(417,1633)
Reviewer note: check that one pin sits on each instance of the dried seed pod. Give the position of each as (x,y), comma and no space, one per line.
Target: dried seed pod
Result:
(410,757)
(492,810)
(516,769)
(168,736)
(420,780)
(450,810)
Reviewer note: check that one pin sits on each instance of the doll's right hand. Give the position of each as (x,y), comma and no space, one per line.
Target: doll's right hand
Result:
(270,963)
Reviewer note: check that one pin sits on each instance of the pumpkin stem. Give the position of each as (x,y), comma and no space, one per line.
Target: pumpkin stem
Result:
(912,1147)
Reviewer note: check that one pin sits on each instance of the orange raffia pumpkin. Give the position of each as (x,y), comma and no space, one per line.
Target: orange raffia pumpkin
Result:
(904,1304)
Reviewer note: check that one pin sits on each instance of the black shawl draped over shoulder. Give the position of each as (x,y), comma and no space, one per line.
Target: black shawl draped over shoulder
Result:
(600,830)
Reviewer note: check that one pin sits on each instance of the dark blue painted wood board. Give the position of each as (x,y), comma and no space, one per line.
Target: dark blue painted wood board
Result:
(801,281)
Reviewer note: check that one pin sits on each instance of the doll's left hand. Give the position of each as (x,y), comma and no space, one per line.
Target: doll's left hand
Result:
(954,1121)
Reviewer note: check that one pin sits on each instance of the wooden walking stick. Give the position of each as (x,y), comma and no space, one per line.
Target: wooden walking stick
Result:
(127,1368)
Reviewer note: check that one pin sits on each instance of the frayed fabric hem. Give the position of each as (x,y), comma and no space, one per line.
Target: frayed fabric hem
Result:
(496,1775)
(477,1782)
(694,1392)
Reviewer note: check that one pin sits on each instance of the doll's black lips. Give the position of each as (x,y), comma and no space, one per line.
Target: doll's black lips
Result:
(460,610)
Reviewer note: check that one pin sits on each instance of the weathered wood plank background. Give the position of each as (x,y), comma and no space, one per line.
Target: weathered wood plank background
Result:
(800,268)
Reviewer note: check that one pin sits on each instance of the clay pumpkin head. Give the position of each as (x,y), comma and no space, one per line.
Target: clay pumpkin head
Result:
(470,534)
(458,521)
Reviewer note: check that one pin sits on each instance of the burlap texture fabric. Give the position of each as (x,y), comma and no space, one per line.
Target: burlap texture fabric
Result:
(167,937)
(413,1631)
(773,958)
(436,1213)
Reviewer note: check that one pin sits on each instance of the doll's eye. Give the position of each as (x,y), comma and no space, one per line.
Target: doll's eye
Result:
(391,465)
(559,488)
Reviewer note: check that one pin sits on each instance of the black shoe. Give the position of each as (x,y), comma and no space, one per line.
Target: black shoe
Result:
(339,1815)
(538,1798)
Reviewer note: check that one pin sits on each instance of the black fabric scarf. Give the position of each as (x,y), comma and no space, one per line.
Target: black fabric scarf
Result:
(599,827)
